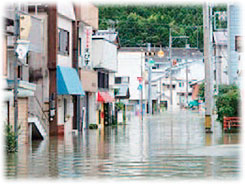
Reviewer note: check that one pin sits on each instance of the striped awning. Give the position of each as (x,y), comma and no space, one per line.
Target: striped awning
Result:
(104,97)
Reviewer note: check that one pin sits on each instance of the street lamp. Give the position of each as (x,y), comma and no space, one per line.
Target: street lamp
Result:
(160,52)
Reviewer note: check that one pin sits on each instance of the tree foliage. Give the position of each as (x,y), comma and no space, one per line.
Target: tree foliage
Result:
(142,24)
(201,92)
(150,24)
(227,102)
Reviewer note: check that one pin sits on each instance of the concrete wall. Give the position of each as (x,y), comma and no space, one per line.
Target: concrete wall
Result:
(89,14)
(222,51)
(39,73)
(92,108)
(104,54)
(89,80)
(67,124)
(22,119)
(234,29)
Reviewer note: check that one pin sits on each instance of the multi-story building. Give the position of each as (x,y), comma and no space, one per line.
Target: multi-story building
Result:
(67,30)
(104,59)
(87,17)
(13,65)
(131,66)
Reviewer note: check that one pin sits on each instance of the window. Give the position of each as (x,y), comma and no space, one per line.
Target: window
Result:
(181,84)
(19,72)
(106,81)
(173,86)
(103,80)
(125,80)
(63,47)
(118,80)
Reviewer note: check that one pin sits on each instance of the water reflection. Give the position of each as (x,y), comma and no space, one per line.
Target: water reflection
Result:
(172,145)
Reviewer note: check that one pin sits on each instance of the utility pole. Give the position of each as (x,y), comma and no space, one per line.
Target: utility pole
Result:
(16,32)
(170,59)
(149,90)
(208,68)
(186,68)
(149,81)
(141,91)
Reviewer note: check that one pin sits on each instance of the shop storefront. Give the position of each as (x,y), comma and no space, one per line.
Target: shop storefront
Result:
(68,85)
(104,108)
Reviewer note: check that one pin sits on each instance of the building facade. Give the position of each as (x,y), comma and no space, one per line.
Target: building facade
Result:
(12,66)
(234,34)
(105,63)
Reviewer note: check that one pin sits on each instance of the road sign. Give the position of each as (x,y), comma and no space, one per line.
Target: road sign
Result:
(140,87)
(151,62)
(22,48)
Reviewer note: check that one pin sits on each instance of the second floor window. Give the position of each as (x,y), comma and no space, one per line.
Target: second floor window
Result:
(118,80)
(63,42)
(121,80)
(103,80)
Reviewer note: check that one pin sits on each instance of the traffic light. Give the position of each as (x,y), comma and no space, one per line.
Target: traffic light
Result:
(25,26)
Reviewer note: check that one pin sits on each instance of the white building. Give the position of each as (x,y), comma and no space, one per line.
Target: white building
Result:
(65,17)
(88,23)
(104,57)
(161,79)
(131,65)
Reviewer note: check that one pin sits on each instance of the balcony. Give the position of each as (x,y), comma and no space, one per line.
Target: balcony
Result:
(104,54)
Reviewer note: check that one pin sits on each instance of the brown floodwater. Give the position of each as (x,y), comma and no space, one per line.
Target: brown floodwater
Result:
(172,145)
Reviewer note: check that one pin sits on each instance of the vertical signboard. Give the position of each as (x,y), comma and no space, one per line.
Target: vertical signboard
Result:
(88,33)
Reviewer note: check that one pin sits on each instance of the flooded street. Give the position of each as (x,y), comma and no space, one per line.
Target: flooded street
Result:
(169,145)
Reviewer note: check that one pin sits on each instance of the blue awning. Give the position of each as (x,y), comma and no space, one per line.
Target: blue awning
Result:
(68,82)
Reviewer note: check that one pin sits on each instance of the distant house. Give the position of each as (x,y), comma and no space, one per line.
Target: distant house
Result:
(133,61)
(25,88)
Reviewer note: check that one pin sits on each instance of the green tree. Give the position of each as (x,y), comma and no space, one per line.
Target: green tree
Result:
(141,24)
(228,102)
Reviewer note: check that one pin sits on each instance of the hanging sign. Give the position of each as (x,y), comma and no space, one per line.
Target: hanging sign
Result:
(88,32)
(22,49)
